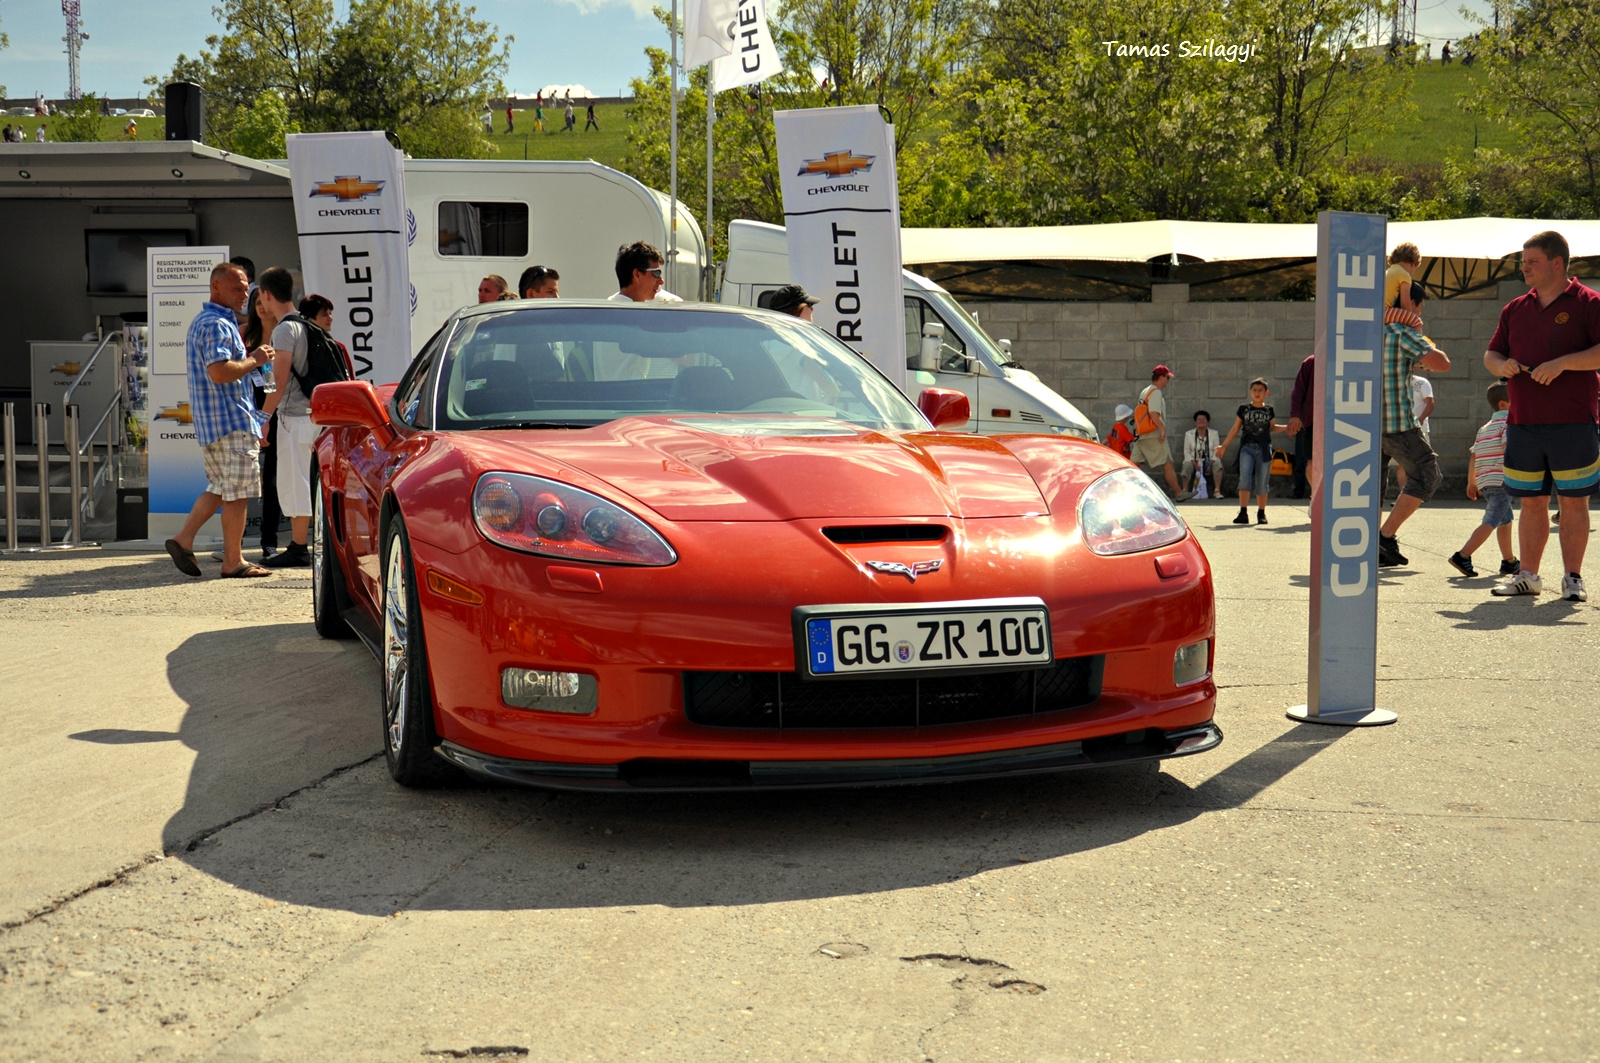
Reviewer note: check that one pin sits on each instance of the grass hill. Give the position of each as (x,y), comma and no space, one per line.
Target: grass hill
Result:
(1437,127)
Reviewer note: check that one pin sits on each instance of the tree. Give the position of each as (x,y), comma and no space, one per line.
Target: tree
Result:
(898,56)
(414,67)
(260,133)
(419,67)
(5,42)
(277,46)
(77,120)
(1543,78)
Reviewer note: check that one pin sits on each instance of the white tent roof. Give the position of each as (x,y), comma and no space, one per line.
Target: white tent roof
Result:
(1141,241)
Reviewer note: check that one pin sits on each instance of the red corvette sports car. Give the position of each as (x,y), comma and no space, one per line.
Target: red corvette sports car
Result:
(620,546)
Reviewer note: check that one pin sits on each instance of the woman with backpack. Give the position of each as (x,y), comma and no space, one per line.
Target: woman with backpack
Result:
(304,356)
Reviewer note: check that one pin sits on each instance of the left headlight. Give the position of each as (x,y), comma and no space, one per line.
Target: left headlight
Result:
(1123,513)
(553,519)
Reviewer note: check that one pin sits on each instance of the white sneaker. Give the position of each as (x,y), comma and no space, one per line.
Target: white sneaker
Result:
(1522,583)
(1572,589)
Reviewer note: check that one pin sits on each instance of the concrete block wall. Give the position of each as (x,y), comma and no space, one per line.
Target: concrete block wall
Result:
(1100,354)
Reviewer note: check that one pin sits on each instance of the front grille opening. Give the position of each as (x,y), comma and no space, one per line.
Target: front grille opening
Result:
(784,700)
(887,533)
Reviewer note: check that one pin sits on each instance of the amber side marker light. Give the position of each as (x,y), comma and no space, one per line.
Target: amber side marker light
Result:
(446,587)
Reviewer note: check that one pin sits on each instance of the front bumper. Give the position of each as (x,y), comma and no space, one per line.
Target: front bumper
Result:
(1150,744)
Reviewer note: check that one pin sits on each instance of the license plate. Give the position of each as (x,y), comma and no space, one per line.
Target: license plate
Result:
(858,640)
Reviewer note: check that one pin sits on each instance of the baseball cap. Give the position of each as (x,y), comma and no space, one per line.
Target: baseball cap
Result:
(1122,412)
(1161,370)
(790,297)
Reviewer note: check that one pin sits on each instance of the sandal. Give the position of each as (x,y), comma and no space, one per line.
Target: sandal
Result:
(247,571)
(184,559)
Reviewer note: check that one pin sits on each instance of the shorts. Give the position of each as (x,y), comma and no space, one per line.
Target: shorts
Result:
(1150,449)
(1413,454)
(1541,456)
(297,437)
(231,469)
(1255,469)
(1496,507)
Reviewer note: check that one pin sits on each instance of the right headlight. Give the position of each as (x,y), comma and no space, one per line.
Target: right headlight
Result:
(1123,513)
(547,517)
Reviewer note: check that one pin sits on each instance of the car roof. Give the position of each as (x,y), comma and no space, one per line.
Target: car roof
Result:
(503,305)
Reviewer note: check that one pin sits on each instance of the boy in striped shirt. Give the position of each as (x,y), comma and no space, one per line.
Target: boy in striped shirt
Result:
(1486,479)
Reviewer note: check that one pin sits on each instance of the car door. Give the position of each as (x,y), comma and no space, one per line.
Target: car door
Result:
(954,366)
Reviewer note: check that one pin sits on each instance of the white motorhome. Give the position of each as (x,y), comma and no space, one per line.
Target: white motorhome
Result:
(480,217)
(945,345)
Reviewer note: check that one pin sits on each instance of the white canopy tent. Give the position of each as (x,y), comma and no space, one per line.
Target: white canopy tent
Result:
(1209,241)
(1465,257)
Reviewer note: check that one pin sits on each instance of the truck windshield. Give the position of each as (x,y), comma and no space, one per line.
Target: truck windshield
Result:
(948,307)
(555,367)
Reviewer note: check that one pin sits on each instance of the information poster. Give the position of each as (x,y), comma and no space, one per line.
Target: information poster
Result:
(179,281)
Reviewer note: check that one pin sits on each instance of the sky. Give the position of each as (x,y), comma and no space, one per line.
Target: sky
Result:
(596,43)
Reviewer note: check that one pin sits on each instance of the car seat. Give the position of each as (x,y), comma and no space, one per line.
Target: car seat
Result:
(496,387)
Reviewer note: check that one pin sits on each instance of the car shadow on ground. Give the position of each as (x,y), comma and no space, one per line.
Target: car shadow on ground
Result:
(357,842)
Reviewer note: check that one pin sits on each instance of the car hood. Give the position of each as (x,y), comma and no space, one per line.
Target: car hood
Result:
(708,467)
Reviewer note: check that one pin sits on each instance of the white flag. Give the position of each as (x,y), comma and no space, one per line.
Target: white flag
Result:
(350,203)
(841,207)
(752,56)
(705,30)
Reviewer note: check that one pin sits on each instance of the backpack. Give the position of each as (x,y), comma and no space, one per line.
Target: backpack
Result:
(324,362)
(1143,423)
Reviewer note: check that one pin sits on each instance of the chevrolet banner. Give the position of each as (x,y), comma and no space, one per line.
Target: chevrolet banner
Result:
(350,209)
(841,207)
(749,55)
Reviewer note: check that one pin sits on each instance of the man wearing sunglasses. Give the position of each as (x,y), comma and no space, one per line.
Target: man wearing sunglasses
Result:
(639,275)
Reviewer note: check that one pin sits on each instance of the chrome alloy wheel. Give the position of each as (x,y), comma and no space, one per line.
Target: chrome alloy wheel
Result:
(396,645)
(319,588)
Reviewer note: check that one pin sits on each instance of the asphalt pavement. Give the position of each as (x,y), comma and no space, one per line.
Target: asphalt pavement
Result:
(202,857)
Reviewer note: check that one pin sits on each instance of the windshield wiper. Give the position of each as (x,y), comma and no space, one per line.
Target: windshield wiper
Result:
(536,424)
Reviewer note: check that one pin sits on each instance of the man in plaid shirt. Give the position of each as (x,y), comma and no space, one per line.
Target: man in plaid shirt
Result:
(1404,349)
(227,424)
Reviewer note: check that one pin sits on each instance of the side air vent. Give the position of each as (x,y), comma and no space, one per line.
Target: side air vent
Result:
(887,533)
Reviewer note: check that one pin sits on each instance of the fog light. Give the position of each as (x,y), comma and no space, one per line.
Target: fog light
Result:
(1191,663)
(528,688)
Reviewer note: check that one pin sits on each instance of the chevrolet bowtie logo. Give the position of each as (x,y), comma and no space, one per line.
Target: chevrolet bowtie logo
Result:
(838,164)
(180,413)
(347,188)
(900,568)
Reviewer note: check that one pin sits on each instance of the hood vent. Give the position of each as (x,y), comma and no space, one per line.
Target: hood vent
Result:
(887,533)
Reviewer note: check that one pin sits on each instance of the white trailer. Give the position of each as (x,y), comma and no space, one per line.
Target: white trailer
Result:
(945,345)
(483,217)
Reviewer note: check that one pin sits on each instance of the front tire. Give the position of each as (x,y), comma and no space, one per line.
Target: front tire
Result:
(406,699)
(327,578)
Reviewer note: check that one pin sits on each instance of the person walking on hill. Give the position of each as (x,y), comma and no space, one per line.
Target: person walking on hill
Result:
(1547,347)
(589,122)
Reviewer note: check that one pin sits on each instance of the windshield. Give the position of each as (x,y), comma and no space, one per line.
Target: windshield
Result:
(582,366)
(948,306)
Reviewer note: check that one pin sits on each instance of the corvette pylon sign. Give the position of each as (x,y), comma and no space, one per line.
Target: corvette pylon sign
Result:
(842,211)
(350,206)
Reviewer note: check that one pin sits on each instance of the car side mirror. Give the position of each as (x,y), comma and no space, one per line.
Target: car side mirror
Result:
(944,406)
(350,404)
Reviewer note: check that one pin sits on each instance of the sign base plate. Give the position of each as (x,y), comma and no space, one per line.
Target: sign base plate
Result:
(1345,718)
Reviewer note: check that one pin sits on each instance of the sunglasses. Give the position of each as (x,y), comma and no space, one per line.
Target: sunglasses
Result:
(656,273)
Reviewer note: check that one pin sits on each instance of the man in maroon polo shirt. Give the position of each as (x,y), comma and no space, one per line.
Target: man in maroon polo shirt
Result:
(1548,348)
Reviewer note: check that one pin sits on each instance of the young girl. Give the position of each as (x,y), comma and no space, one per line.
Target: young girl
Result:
(1121,436)
(1255,450)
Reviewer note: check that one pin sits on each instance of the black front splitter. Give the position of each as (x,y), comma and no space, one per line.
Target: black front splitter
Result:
(665,774)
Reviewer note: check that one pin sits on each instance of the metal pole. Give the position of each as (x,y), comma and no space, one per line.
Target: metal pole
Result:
(41,430)
(711,123)
(672,230)
(11,475)
(74,474)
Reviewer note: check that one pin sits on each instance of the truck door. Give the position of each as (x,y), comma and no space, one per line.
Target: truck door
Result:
(954,366)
